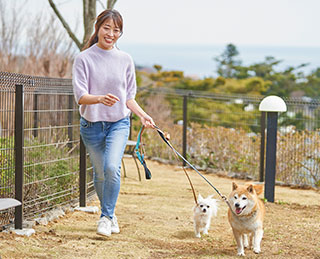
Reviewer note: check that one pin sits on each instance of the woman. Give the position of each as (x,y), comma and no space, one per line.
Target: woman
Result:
(105,86)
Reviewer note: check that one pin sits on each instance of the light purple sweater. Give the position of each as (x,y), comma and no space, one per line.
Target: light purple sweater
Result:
(99,72)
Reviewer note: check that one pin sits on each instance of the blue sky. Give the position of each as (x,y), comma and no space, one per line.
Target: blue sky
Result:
(241,22)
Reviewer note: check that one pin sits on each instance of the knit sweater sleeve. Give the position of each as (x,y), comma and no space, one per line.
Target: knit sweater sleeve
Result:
(131,81)
(79,79)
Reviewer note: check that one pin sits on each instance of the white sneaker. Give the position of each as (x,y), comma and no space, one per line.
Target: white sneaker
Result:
(114,225)
(104,227)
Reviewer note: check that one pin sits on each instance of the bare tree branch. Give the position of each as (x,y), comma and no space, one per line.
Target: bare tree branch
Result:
(89,16)
(65,24)
(111,3)
(102,5)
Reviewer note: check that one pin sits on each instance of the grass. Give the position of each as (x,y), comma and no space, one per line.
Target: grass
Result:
(155,219)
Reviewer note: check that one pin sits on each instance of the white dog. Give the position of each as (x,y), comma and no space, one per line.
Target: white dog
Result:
(202,214)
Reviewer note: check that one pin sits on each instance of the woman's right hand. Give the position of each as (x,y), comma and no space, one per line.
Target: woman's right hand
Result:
(108,99)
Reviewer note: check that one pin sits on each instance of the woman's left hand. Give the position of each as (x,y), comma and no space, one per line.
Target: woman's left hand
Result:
(147,121)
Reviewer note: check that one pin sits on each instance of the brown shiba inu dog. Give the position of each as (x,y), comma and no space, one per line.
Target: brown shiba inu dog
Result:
(246,215)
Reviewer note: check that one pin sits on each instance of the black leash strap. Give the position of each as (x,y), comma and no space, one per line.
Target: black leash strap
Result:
(176,152)
(223,197)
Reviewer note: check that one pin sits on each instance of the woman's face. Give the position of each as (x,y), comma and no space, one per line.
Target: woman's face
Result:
(108,35)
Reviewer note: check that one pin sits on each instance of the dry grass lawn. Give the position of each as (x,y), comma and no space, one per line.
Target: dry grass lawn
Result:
(155,219)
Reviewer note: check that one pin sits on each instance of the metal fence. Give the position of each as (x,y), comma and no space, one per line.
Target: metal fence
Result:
(43,161)
(39,144)
(226,134)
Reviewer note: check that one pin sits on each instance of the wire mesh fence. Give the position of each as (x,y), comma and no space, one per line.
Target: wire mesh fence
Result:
(222,133)
(50,144)
(226,134)
(298,148)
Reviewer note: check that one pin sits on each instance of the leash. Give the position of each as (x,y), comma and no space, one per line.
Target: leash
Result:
(166,140)
(143,162)
(177,154)
(223,197)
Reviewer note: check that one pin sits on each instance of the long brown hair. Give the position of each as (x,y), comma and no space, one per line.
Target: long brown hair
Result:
(102,17)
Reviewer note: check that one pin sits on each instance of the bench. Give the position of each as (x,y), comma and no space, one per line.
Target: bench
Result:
(7,203)
(130,152)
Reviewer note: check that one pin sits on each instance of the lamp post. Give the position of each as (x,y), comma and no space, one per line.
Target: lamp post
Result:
(271,105)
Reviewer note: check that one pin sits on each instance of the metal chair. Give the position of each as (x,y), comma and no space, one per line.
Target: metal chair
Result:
(7,203)
(130,152)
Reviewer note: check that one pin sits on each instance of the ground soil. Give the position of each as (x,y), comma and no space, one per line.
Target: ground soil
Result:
(155,219)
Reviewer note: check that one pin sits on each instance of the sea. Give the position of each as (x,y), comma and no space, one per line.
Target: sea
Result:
(198,60)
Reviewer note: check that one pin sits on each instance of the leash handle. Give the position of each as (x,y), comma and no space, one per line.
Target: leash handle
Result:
(141,156)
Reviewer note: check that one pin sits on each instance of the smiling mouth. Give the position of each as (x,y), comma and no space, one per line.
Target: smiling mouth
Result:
(108,40)
(239,210)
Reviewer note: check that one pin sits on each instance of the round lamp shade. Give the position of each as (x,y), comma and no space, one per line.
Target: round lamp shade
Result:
(272,103)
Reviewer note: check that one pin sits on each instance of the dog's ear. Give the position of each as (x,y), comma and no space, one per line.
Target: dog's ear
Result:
(250,188)
(200,197)
(234,186)
(258,188)
(210,197)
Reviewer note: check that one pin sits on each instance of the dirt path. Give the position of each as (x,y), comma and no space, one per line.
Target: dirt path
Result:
(155,218)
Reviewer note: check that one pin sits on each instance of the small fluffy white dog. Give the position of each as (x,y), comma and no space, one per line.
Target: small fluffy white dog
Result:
(202,214)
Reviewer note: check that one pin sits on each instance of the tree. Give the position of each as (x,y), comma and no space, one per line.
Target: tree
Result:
(227,63)
(266,68)
(89,16)
(311,87)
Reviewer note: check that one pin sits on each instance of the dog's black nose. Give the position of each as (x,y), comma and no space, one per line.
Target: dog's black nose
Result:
(204,210)
(237,205)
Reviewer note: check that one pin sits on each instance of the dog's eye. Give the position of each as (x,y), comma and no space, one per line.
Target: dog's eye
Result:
(244,198)
(208,206)
(235,197)
(201,206)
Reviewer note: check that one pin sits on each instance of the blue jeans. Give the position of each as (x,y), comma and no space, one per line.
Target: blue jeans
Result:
(106,142)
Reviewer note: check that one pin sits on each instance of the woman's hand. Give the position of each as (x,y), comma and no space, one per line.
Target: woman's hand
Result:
(147,121)
(108,99)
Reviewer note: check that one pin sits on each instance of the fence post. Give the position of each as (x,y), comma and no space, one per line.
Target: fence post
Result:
(83,174)
(271,155)
(272,105)
(262,144)
(35,115)
(130,132)
(19,154)
(185,122)
(70,120)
